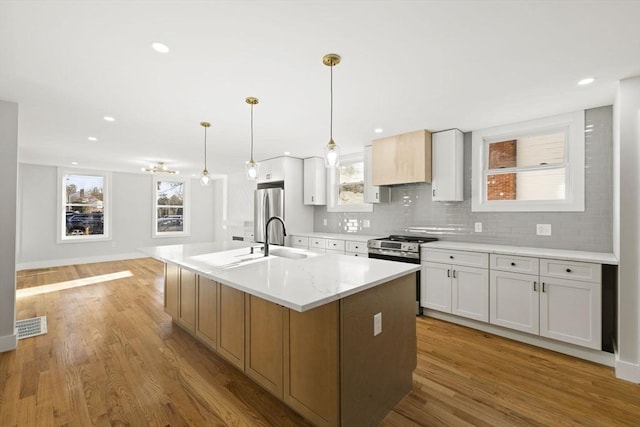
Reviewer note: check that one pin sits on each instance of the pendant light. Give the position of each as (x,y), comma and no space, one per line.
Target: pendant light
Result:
(204,177)
(252,166)
(332,150)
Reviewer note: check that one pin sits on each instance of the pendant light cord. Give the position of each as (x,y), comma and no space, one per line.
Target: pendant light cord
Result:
(205,147)
(331,114)
(252,132)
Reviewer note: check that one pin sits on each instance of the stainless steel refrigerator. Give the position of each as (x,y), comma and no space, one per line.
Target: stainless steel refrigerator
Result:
(268,202)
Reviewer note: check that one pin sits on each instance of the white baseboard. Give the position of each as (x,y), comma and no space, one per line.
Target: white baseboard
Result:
(627,371)
(74,261)
(601,357)
(8,342)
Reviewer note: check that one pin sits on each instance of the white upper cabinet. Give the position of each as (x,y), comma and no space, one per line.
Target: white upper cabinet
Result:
(271,170)
(447,166)
(373,193)
(315,181)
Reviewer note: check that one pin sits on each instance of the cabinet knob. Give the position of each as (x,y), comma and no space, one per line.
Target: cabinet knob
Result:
(451,256)
(513,264)
(568,270)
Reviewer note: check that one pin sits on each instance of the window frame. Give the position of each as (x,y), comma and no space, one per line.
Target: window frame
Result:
(61,234)
(574,201)
(186,208)
(333,184)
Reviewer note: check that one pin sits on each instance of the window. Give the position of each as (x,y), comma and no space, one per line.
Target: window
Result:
(170,209)
(532,166)
(346,186)
(84,208)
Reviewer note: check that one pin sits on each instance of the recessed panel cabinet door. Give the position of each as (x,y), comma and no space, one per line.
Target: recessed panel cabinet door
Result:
(435,286)
(470,292)
(207,324)
(187,304)
(171,289)
(264,343)
(514,301)
(231,321)
(570,311)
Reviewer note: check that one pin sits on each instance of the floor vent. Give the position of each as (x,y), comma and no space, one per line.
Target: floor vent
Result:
(31,327)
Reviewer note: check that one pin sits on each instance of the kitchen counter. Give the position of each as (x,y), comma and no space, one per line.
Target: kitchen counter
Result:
(562,254)
(298,284)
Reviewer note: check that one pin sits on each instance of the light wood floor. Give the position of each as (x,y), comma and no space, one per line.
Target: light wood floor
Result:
(112,357)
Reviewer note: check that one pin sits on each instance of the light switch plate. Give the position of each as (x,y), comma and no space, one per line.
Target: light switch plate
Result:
(543,229)
(324,221)
(377,324)
(478,227)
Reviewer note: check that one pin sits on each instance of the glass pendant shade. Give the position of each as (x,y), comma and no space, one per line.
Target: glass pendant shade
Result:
(331,155)
(252,167)
(204,178)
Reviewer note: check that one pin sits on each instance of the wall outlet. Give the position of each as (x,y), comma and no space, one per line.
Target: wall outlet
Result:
(377,324)
(324,221)
(478,227)
(543,229)
(366,223)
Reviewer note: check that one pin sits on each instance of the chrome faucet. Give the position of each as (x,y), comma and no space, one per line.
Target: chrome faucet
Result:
(266,233)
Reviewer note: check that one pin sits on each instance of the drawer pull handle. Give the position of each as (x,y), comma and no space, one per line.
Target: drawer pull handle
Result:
(448,273)
(568,270)
(535,287)
(451,256)
(513,264)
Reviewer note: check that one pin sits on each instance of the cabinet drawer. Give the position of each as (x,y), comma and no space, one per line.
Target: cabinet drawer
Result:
(335,245)
(471,259)
(300,241)
(517,264)
(357,247)
(571,270)
(318,243)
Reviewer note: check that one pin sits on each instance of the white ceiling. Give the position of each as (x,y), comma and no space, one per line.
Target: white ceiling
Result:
(405,65)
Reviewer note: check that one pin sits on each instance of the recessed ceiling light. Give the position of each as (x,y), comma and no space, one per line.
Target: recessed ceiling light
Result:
(586,81)
(109,119)
(92,138)
(160,47)
(378,130)
(286,153)
(74,163)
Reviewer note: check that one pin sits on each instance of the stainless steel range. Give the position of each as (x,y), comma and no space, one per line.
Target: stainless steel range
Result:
(401,249)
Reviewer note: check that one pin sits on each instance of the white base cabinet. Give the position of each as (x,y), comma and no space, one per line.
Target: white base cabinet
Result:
(556,299)
(461,289)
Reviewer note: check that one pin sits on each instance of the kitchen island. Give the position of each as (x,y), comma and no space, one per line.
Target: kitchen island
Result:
(330,335)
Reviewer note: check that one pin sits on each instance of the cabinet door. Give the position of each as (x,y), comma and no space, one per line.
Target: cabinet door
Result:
(271,170)
(312,363)
(207,314)
(373,193)
(264,343)
(171,289)
(187,315)
(315,181)
(231,319)
(470,292)
(570,311)
(435,286)
(514,301)
(447,166)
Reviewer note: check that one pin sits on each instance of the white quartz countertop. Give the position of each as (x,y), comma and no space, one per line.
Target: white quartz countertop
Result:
(569,255)
(337,236)
(299,284)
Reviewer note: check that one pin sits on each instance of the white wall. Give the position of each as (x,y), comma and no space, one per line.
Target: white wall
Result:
(132,205)
(8,184)
(627,226)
